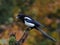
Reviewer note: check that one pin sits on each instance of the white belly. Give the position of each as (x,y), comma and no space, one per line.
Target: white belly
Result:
(29,24)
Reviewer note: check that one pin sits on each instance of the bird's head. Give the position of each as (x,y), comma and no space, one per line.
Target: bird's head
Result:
(20,17)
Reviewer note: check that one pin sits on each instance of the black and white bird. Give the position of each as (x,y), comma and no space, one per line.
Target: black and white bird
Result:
(31,23)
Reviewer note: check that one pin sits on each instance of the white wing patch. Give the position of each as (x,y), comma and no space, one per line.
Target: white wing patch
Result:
(29,24)
(27,18)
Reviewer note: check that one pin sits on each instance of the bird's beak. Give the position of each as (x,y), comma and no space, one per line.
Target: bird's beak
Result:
(16,17)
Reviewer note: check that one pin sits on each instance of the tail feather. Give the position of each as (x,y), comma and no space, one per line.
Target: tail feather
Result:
(45,34)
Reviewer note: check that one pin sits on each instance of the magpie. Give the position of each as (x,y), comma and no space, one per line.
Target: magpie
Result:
(31,23)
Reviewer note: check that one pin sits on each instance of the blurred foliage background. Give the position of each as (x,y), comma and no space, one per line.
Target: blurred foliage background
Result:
(47,12)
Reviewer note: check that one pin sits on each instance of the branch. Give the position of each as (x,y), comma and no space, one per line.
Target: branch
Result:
(24,37)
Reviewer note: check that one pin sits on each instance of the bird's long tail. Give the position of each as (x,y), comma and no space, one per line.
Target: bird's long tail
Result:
(45,34)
